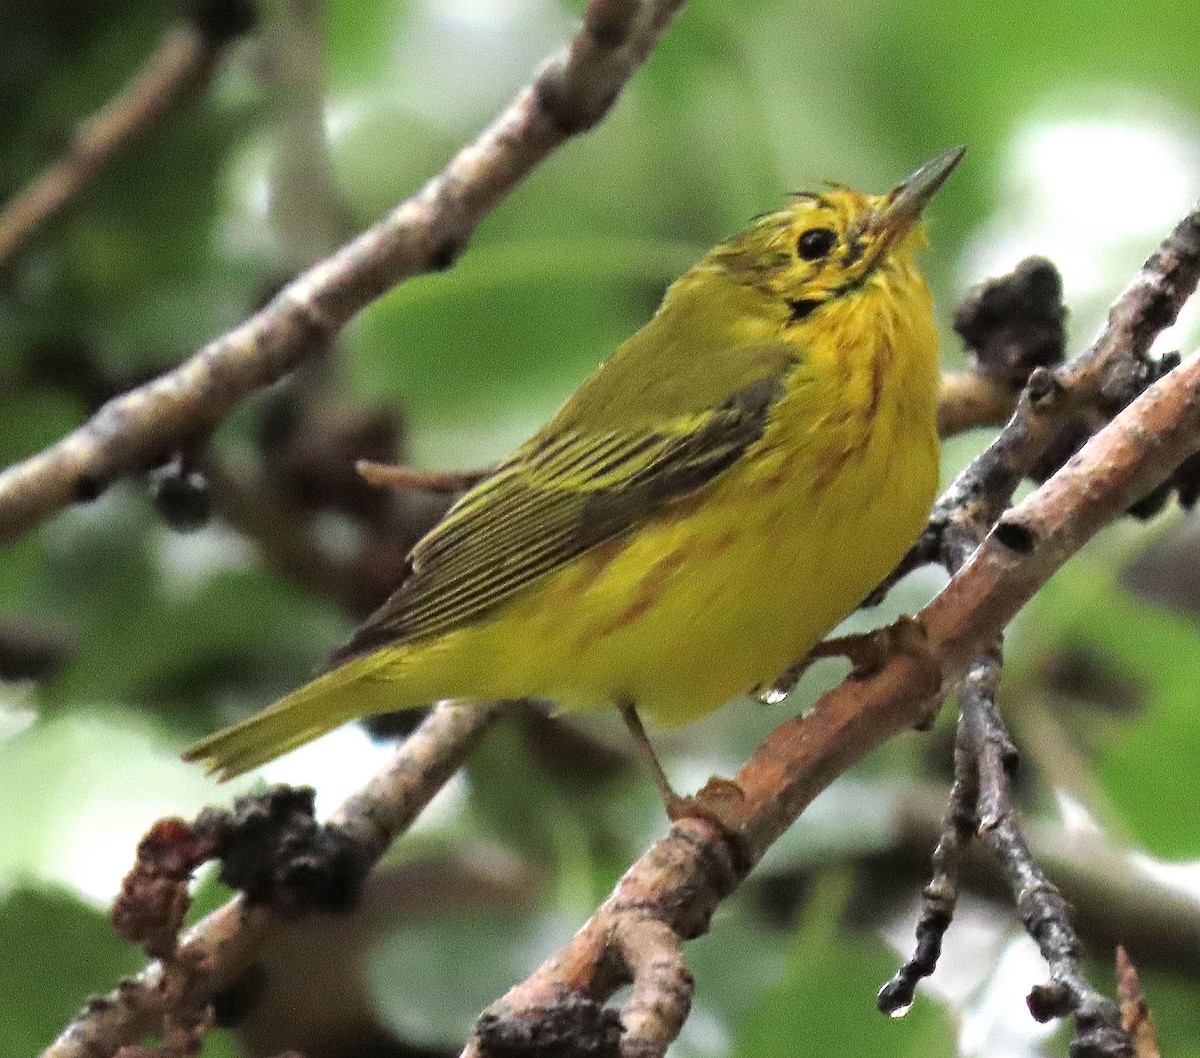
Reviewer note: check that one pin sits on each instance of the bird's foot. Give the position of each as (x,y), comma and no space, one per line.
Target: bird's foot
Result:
(720,802)
(867,653)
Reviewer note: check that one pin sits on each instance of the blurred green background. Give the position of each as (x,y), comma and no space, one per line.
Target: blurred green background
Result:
(1081,119)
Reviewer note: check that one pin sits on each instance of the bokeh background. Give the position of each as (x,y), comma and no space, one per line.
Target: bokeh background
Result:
(133,638)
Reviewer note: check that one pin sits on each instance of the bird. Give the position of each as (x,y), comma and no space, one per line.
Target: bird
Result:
(697,517)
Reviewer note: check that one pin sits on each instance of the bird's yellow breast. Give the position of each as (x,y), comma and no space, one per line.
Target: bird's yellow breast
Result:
(728,587)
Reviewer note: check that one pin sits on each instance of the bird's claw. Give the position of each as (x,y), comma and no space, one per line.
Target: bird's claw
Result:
(720,802)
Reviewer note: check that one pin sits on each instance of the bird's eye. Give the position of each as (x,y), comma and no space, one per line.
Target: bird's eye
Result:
(816,243)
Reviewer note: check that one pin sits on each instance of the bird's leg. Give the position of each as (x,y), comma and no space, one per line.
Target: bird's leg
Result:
(638,730)
(867,653)
(720,802)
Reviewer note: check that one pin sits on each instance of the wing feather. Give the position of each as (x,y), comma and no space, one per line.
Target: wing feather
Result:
(559,496)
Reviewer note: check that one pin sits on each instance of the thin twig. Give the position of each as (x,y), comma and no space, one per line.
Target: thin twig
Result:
(1115,899)
(968,400)
(405,478)
(1094,385)
(428,231)
(939,898)
(175,74)
(1041,907)
(1011,326)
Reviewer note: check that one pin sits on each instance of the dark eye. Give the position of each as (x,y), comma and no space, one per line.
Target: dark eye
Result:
(816,243)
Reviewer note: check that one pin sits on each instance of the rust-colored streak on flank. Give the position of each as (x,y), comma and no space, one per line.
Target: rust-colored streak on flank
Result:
(778,477)
(831,466)
(847,350)
(881,365)
(649,588)
(591,567)
(600,558)
(721,543)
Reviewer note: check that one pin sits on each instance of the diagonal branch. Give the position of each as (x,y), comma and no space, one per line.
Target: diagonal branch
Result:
(571,94)
(183,64)
(231,938)
(1061,407)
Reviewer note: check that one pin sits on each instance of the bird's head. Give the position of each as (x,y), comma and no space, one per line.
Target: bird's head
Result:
(823,247)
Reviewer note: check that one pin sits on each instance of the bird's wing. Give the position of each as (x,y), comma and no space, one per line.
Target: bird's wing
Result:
(559,496)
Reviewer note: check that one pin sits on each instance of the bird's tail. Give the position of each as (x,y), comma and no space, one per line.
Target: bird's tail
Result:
(358,688)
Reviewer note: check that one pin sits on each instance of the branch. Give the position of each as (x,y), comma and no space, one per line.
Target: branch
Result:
(984,758)
(1058,410)
(968,400)
(176,73)
(409,479)
(571,94)
(231,939)
(939,898)
(1039,903)
(1061,407)
(1011,326)
(1115,899)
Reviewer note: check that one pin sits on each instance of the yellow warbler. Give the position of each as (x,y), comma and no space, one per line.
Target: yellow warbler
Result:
(699,514)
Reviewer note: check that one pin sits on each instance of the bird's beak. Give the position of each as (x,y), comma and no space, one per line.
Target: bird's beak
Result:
(902,206)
